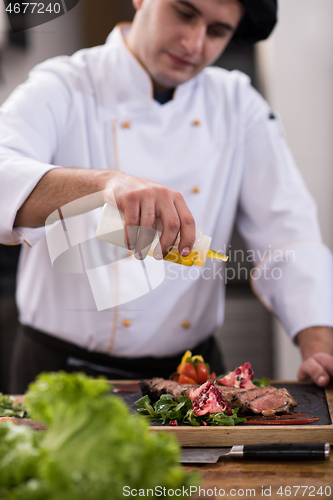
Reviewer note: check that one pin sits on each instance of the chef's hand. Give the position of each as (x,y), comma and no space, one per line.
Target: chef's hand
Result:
(142,202)
(317,368)
(316,344)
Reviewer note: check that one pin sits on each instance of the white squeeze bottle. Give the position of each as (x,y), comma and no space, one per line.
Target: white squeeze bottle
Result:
(111,229)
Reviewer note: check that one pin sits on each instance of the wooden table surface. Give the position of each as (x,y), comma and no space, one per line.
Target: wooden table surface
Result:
(236,478)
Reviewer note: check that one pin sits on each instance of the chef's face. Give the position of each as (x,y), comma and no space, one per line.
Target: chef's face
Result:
(176,39)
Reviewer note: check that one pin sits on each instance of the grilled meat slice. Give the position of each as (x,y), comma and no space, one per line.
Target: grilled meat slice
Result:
(158,386)
(153,387)
(241,399)
(230,394)
(278,401)
(262,400)
(181,390)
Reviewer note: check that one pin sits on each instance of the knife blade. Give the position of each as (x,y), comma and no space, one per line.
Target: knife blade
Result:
(280,451)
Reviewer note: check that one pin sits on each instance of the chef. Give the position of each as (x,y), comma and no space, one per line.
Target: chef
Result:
(146,119)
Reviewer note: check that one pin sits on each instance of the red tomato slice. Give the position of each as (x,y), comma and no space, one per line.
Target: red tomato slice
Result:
(189,371)
(175,377)
(212,375)
(202,373)
(8,419)
(183,379)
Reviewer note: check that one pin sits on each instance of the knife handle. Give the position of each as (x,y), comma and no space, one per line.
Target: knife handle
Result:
(287,451)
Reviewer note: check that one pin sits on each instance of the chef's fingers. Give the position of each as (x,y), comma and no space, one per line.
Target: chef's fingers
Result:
(312,370)
(147,229)
(187,226)
(326,361)
(167,212)
(132,221)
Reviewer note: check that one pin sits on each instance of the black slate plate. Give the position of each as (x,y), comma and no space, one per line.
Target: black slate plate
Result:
(311,401)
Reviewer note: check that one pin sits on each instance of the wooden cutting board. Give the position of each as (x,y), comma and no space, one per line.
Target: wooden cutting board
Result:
(312,400)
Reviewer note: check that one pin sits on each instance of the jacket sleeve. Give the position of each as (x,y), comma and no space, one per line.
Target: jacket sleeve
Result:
(32,122)
(293,275)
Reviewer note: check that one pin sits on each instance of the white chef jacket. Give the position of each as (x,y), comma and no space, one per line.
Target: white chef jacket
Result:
(215,143)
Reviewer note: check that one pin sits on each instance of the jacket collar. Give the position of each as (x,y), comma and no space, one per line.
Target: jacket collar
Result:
(134,82)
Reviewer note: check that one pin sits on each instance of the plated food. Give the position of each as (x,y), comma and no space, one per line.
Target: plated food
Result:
(10,408)
(231,397)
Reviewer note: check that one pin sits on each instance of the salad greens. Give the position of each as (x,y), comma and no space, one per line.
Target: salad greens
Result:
(9,409)
(261,382)
(167,409)
(93,446)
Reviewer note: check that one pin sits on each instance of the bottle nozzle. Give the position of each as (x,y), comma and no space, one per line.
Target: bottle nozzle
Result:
(218,256)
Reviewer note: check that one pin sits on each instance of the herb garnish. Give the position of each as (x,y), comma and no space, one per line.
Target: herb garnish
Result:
(9,409)
(167,409)
(261,382)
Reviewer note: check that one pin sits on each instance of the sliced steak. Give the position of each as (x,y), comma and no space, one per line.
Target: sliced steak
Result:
(262,400)
(181,390)
(247,396)
(148,387)
(243,399)
(230,394)
(158,386)
(278,401)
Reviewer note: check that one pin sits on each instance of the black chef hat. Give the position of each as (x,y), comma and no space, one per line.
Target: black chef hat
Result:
(258,22)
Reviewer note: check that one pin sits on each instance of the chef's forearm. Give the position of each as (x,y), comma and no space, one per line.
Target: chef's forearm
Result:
(59,187)
(315,339)
(140,199)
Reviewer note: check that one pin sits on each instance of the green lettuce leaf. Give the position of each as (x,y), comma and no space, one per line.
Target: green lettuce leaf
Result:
(20,453)
(92,449)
